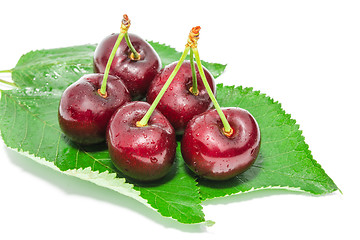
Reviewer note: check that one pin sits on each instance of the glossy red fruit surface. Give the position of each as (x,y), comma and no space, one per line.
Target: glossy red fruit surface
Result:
(212,155)
(178,104)
(137,75)
(83,114)
(143,153)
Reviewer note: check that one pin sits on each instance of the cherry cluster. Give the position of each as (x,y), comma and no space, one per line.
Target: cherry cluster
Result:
(109,105)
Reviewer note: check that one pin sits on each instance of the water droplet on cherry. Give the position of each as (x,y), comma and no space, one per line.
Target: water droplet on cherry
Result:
(252,151)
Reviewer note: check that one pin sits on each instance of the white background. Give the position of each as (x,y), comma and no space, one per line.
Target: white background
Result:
(304,54)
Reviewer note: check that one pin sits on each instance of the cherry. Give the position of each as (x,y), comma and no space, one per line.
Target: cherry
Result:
(186,96)
(144,153)
(137,74)
(87,105)
(213,154)
(179,104)
(84,114)
(219,144)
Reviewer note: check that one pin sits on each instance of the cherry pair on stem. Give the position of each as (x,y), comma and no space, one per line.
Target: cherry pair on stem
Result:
(134,61)
(218,144)
(87,105)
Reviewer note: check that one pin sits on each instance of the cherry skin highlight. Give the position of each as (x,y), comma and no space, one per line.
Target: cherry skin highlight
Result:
(83,114)
(136,74)
(142,153)
(178,104)
(212,155)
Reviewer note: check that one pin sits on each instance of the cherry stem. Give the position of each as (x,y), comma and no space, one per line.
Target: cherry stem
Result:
(125,24)
(6,71)
(108,65)
(227,128)
(194,89)
(8,83)
(135,55)
(144,121)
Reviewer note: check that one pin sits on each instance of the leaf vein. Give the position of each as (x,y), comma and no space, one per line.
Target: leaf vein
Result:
(41,139)
(26,129)
(57,149)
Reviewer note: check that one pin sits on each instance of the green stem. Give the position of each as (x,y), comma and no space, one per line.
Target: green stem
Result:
(8,83)
(108,65)
(136,55)
(227,127)
(144,121)
(6,71)
(194,89)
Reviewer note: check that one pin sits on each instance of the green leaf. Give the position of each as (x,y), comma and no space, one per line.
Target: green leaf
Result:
(29,124)
(57,68)
(284,161)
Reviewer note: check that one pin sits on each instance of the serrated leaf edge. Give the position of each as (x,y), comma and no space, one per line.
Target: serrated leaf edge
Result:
(307,150)
(287,188)
(103,179)
(300,134)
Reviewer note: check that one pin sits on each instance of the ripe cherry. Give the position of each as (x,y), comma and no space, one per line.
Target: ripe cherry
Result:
(137,74)
(219,144)
(213,154)
(179,104)
(84,114)
(141,141)
(87,105)
(145,153)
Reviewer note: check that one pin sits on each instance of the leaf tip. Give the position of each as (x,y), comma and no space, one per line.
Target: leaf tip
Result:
(209,223)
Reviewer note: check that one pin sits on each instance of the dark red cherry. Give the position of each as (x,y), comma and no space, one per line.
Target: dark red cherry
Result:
(84,114)
(143,153)
(178,104)
(136,74)
(211,154)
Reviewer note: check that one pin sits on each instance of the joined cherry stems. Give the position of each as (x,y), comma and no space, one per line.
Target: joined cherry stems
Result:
(191,46)
(194,89)
(191,39)
(125,25)
(192,42)
(144,121)
(227,130)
